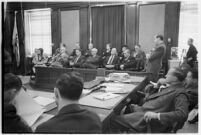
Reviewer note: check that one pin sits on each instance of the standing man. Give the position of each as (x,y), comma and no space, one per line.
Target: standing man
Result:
(192,53)
(154,62)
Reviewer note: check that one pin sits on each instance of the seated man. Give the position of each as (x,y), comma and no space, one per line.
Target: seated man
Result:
(191,86)
(112,61)
(88,51)
(128,62)
(93,61)
(12,123)
(60,59)
(140,58)
(71,118)
(162,110)
(78,59)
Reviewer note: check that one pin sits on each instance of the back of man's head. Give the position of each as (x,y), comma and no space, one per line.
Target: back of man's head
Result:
(179,73)
(11,83)
(70,86)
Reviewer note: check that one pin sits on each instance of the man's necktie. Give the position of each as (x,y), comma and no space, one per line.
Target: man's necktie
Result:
(110,60)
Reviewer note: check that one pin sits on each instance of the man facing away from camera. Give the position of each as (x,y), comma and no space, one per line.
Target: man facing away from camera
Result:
(71,118)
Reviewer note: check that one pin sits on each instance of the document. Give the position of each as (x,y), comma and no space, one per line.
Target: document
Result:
(47,103)
(106,96)
(27,108)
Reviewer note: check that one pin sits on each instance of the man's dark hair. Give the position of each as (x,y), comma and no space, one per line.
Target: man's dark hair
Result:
(12,81)
(194,73)
(180,74)
(124,46)
(160,37)
(70,85)
(41,50)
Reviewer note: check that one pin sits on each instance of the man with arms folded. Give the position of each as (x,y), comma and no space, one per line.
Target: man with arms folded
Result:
(93,61)
(127,63)
(112,61)
(71,118)
(162,110)
(154,61)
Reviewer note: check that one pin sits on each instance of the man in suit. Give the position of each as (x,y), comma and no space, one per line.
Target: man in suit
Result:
(160,110)
(71,118)
(128,62)
(154,61)
(88,51)
(93,61)
(78,60)
(12,123)
(192,53)
(112,61)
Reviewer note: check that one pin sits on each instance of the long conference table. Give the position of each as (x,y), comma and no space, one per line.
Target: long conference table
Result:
(105,109)
(46,76)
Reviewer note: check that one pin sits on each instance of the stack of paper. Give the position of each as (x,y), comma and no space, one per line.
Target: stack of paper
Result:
(115,88)
(27,108)
(106,96)
(47,103)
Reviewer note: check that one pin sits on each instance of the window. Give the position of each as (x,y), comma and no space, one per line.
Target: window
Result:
(188,27)
(38,31)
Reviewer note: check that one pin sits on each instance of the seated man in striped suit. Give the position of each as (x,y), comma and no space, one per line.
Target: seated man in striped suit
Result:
(112,61)
(78,59)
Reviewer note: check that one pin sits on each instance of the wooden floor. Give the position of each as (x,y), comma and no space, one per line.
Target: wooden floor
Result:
(187,128)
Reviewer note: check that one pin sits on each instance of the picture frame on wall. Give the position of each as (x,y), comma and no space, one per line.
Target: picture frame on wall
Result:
(174,52)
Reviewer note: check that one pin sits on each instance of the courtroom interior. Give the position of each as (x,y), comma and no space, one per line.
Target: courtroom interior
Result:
(100,67)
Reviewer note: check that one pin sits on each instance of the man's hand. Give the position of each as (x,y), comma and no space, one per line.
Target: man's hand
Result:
(148,116)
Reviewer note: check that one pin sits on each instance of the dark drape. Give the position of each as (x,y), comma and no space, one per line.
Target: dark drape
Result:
(84,28)
(21,36)
(7,39)
(107,26)
(56,29)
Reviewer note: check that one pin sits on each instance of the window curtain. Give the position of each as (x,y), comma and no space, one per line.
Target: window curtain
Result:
(107,26)
(7,39)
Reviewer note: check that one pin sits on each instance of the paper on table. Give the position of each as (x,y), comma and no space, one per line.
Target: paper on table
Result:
(27,108)
(43,100)
(106,96)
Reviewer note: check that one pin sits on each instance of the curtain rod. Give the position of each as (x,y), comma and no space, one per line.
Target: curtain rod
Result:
(104,5)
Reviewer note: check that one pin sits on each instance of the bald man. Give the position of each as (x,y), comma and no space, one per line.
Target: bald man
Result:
(92,61)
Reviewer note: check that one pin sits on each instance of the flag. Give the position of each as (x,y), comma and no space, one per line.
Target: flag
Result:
(15,42)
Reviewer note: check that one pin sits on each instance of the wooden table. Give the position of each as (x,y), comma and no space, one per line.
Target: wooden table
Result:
(103,113)
(46,76)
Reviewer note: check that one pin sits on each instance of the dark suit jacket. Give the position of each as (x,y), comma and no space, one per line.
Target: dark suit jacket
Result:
(92,62)
(79,62)
(72,119)
(115,61)
(129,63)
(12,123)
(87,53)
(192,53)
(154,63)
(172,104)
